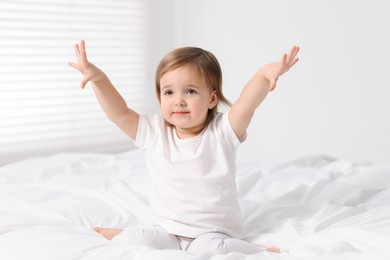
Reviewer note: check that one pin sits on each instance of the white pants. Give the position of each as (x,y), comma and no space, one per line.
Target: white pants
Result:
(210,242)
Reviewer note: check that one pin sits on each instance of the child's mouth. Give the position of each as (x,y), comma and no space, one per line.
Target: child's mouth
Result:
(181,112)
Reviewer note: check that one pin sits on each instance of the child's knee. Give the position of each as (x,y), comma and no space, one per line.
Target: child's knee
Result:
(210,242)
(219,243)
(153,237)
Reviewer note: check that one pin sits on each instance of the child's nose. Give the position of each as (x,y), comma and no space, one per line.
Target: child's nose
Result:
(179,101)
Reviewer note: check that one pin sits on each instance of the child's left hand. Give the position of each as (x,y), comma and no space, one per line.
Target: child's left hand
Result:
(273,71)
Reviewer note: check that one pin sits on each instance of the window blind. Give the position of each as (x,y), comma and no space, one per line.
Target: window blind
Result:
(42,108)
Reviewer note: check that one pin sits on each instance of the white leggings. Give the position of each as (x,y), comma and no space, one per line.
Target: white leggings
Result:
(209,242)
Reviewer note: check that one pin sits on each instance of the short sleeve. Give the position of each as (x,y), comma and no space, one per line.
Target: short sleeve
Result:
(229,133)
(147,131)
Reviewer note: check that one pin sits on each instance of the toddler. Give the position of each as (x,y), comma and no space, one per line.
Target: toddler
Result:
(190,149)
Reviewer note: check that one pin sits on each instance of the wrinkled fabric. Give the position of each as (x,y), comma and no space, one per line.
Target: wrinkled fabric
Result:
(312,208)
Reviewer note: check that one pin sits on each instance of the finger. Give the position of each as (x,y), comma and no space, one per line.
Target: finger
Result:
(284,59)
(294,52)
(84,82)
(83,50)
(77,50)
(294,61)
(74,65)
(291,55)
(82,46)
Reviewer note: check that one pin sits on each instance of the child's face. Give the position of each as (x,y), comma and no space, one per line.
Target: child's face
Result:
(185,100)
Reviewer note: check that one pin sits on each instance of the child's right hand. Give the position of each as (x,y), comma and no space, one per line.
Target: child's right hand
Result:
(273,71)
(90,71)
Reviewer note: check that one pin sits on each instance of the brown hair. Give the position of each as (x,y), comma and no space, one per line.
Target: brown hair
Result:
(206,65)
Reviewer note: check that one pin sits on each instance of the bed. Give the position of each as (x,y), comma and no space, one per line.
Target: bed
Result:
(314,207)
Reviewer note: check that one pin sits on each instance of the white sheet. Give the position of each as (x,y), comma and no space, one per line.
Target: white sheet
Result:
(313,208)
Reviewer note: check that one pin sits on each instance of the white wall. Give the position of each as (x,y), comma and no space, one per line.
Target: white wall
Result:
(336,101)
(161,39)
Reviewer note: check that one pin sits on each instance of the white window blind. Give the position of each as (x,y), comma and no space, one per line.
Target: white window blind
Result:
(42,108)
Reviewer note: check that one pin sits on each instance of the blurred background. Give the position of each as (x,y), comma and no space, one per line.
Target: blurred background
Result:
(335,101)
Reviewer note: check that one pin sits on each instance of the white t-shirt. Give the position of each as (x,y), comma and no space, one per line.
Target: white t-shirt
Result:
(193,180)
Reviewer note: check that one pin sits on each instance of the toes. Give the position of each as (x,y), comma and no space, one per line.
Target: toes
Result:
(97,229)
(274,250)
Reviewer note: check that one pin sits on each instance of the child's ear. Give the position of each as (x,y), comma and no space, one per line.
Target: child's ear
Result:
(213,100)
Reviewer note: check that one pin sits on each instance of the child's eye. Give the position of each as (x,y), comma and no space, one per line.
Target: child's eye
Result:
(168,92)
(191,91)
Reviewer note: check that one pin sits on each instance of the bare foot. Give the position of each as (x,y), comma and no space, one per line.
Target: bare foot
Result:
(108,233)
(273,250)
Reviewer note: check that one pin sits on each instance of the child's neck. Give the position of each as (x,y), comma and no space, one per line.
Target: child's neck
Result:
(184,133)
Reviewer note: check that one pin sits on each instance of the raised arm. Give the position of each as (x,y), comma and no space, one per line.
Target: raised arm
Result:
(257,89)
(109,98)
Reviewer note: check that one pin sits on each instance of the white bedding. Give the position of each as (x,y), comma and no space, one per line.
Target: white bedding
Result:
(313,208)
